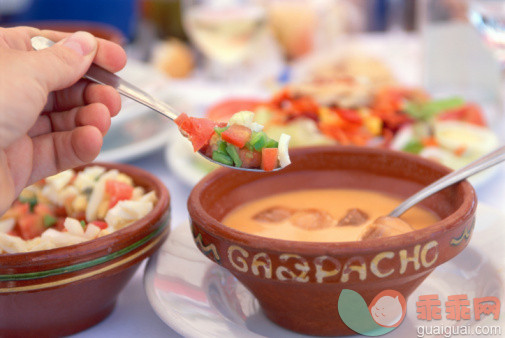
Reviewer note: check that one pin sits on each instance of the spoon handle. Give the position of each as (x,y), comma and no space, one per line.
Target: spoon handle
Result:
(99,75)
(476,166)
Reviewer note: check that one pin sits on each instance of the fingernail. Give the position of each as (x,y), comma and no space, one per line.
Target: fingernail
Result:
(81,42)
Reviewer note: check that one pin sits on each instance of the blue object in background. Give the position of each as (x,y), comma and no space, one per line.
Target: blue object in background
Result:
(122,14)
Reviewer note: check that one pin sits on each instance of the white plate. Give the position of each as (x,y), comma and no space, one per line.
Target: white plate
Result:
(198,298)
(188,167)
(184,163)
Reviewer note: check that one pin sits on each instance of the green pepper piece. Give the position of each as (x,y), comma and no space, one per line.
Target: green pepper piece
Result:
(221,146)
(222,158)
(83,224)
(49,221)
(413,147)
(32,201)
(232,151)
(271,143)
(248,146)
(259,140)
(219,130)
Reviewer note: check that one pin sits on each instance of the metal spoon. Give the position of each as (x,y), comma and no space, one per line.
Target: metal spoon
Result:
(475,167)
(99,75)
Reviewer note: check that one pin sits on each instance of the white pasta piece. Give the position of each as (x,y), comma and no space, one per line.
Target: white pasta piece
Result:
(98,194)
(51,194)
(283,150)
(67,192)
(87,178)
(11,244)
(61,238)
(79,203)
(137,193)
(104,232)
(73,226)
(7,225)
(92,231)
(38,244)
(124,179)
(58,191)
(149,197)
(60,180)
(126,212)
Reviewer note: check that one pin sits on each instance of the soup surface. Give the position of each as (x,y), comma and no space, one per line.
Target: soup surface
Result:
(320,215)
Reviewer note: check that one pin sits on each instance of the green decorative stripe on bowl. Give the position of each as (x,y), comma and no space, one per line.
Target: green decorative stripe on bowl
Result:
(83,265)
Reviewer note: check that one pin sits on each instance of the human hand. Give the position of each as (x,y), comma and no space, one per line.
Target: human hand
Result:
(51,119)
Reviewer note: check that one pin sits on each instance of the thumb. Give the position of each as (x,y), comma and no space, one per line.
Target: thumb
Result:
(64,63)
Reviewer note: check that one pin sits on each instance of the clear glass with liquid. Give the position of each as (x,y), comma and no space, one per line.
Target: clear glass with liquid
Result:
(457,61)
(226,32)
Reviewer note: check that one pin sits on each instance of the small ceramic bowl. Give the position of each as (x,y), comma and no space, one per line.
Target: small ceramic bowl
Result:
(66,290)
(299,284)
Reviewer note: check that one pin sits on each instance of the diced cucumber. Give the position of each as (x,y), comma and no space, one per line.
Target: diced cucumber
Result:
(271,143)
(249,146)
(220,130)
(413,146)
(221,146)
(232,151)
(259,140)
(222,158)
(49,221)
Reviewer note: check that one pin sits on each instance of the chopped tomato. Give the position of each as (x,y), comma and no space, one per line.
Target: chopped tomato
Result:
(60,224)
(249,158)
(269,158)
(101,224)
(17,210)
(429,141)
(197,130)
(222,111)
(237,135)
(295,106)
(350,116)
(60,211)
(42,209)
(117,191)
(30,226)
(470,113)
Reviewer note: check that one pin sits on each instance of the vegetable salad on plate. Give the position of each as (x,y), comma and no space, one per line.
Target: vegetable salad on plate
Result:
(72,207)
(448,130)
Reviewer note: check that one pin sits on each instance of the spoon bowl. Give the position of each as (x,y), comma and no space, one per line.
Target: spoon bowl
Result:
(99,75)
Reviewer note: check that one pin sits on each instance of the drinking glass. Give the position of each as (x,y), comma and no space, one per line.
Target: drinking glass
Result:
(488,17)
(225,31)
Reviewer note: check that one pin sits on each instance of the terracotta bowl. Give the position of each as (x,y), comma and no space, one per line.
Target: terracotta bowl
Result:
(298,283)
(66,290)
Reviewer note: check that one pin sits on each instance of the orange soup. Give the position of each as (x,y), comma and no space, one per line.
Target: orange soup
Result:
(320,215)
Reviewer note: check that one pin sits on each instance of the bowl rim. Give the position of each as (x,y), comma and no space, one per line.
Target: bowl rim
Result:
(463,214)
(90,247)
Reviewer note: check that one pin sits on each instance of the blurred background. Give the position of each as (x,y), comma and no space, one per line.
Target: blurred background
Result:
(196,53)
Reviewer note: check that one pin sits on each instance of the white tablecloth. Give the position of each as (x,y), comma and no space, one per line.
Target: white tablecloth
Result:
(134,317)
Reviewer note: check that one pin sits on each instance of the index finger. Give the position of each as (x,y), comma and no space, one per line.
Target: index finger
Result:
(109,55)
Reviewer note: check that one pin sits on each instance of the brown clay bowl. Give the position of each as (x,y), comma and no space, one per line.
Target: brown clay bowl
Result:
(66,290)
(298,283)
